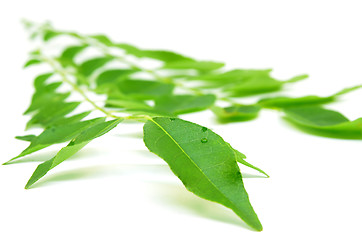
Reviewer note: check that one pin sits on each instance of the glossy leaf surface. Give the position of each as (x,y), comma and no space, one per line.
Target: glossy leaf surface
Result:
(203,161)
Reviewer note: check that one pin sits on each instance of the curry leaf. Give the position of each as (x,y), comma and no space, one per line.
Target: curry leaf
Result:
(236,112)
(32,62)
(74,146)
(284,102)
(324,122)
(144,89)
(203,66)
(241,159)
(180,104)
(68,54)
(162,55)
(111,77)
(203,161)
(55,135)
(88,67)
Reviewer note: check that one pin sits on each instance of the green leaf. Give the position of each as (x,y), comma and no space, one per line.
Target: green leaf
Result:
(55,135)
(27,138)
(180,104)
(68,54)
(236,113)
(202,66)
(88,67)
(144,89)
(45,98)
(256,85)
(111,77)
(285,102)
(324,122)
(45,94)
(50,34)
(39,81)
(241,159)
(162,55)
(103,39)
(232,77)
(74,146)
(32,62)
(71,119)
(127,104)
(347,90)
(51,112)
(240,82)
(203,161)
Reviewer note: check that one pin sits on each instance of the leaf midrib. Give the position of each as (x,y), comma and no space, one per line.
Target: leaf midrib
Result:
(178,145)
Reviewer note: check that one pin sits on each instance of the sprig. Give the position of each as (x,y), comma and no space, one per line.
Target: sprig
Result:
(204,162)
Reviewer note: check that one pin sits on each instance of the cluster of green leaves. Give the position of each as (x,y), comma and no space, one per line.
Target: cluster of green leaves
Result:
(201,159)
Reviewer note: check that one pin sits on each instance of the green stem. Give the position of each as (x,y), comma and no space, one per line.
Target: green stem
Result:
(59,70)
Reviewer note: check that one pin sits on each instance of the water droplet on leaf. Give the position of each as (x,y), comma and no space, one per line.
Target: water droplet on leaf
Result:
(204,140)
(172,119)
(204,129)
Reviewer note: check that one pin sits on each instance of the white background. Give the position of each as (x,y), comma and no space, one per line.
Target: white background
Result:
(115,189)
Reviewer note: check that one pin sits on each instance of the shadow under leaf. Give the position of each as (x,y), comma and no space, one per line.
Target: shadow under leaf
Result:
(171,194)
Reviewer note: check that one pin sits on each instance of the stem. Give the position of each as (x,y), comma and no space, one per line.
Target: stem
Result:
(65,79)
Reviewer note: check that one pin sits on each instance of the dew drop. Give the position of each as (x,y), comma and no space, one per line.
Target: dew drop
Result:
(204,140)
(172,119)
(204,129)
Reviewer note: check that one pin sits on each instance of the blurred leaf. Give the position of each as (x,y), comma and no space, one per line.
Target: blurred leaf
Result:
(88,67)
(69,53)
(144,89)
(51,112)
(162,55)
(324,122)
(284,102)
(236,113)
(27,138)
(202,66)
(32,62)
(180,104)
(50,34)
(111,77)
(103,39)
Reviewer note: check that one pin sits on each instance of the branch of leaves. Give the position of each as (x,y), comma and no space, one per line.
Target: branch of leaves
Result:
(200,158)
(215,177)
(129,95)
